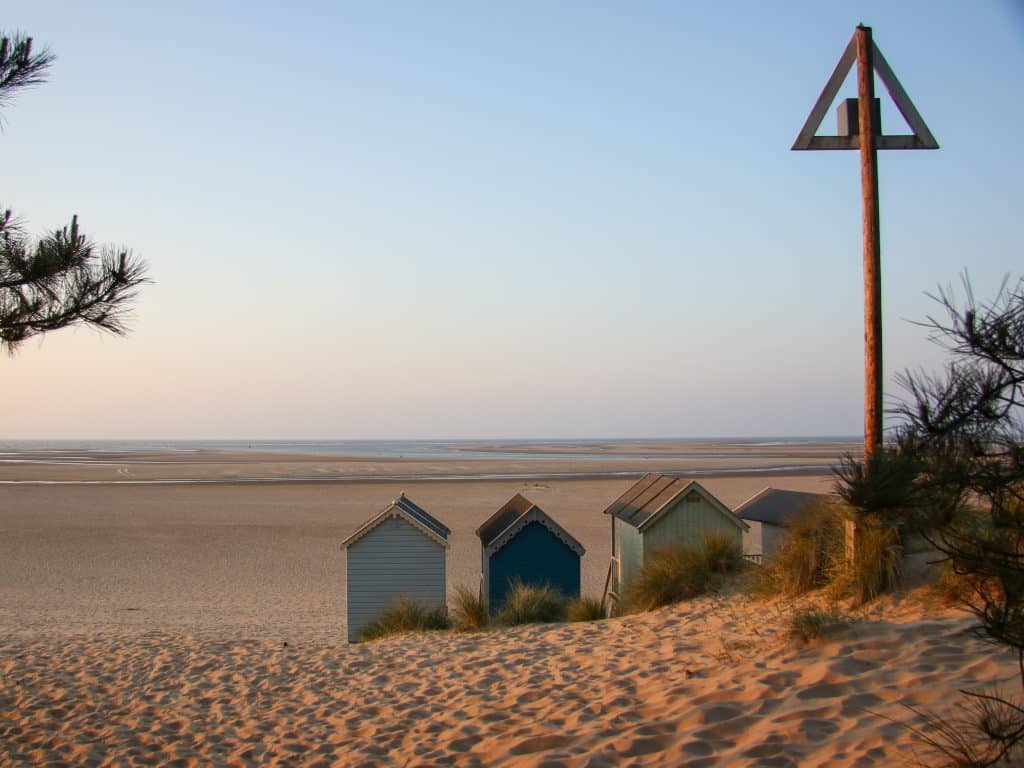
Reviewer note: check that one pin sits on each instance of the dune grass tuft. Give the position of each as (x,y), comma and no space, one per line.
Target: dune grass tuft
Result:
(809,624)
(667,576)
(532,604)
(810,556)
(405,615)
(587,609)
(952,588)
(681,573)
(470,611)
(876,562)
(722,553)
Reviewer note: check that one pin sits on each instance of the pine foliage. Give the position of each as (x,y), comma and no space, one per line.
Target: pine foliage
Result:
(954,474)
(63,279)
(19,66)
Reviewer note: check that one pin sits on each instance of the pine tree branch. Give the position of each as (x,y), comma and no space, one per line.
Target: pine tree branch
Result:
(19,66)
(62,282)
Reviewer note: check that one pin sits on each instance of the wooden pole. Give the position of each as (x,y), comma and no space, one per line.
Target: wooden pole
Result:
(869,130)
(869,135)
(872,259)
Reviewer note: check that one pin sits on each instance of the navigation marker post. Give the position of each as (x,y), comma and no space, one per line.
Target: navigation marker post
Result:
(860,128)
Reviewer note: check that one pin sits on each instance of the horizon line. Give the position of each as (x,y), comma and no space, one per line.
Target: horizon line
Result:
(717,438)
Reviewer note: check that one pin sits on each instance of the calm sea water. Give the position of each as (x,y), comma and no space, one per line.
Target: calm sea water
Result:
(593,449)
(119,453)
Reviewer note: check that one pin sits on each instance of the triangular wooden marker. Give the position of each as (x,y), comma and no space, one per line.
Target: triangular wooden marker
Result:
(921,138)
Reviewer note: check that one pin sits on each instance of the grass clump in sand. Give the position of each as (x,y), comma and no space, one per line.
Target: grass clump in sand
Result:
(877,559)
(809,556)
(809,624)
(984,732)
(812,555)
(722,553)
(587,609)
(470,611)
(667,576)
(406,615)
(681,573)
(951,588)
(532,604)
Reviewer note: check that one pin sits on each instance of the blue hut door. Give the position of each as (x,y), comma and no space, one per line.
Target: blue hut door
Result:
(534,556)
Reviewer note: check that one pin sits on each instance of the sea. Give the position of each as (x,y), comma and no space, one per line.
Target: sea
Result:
(123,453)
(541,449)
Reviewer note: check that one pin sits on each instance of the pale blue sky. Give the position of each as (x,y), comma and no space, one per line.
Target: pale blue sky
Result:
(462,220)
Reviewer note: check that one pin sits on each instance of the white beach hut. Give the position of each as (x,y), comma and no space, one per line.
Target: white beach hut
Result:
(398,553)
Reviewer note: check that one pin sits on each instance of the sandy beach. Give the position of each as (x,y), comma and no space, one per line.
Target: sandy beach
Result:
(193,623)
(249,542)
(331,330)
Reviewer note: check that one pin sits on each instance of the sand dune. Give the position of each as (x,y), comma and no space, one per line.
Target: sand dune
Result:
(715,682)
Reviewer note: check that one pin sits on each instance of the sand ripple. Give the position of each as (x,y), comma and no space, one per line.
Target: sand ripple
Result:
(714,683)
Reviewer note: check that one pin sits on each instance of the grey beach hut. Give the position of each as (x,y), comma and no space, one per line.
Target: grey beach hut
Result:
(659,512)
(397,553)
(768,513)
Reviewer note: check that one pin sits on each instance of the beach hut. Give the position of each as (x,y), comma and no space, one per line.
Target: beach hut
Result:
(767,513)
(397,553)
(522,542)
(659,512)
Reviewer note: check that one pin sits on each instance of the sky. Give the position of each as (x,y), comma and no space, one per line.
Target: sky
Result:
(475,220)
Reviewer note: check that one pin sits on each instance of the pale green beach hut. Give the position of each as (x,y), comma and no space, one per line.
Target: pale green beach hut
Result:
(660,512)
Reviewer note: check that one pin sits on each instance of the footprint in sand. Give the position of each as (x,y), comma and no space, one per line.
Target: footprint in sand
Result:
(817,730)
(770,747)
(824,691)
(540,744)
(727,729)
(713,714)
(859,703)
(779,680)
(698,748)
(851,667)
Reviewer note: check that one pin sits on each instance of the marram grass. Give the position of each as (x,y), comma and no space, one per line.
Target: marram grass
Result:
(470,611)
(406,615)
(531,604)
(587,609)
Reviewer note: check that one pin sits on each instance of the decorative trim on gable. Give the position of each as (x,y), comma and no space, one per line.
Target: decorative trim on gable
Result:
(393,510)
(683,496)
(535,515)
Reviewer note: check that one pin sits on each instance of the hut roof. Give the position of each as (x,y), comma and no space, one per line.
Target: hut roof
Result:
(515,515)
(776,506)
(412,513)
(644,502)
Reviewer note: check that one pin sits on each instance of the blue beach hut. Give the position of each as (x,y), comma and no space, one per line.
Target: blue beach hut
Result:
(522,542)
